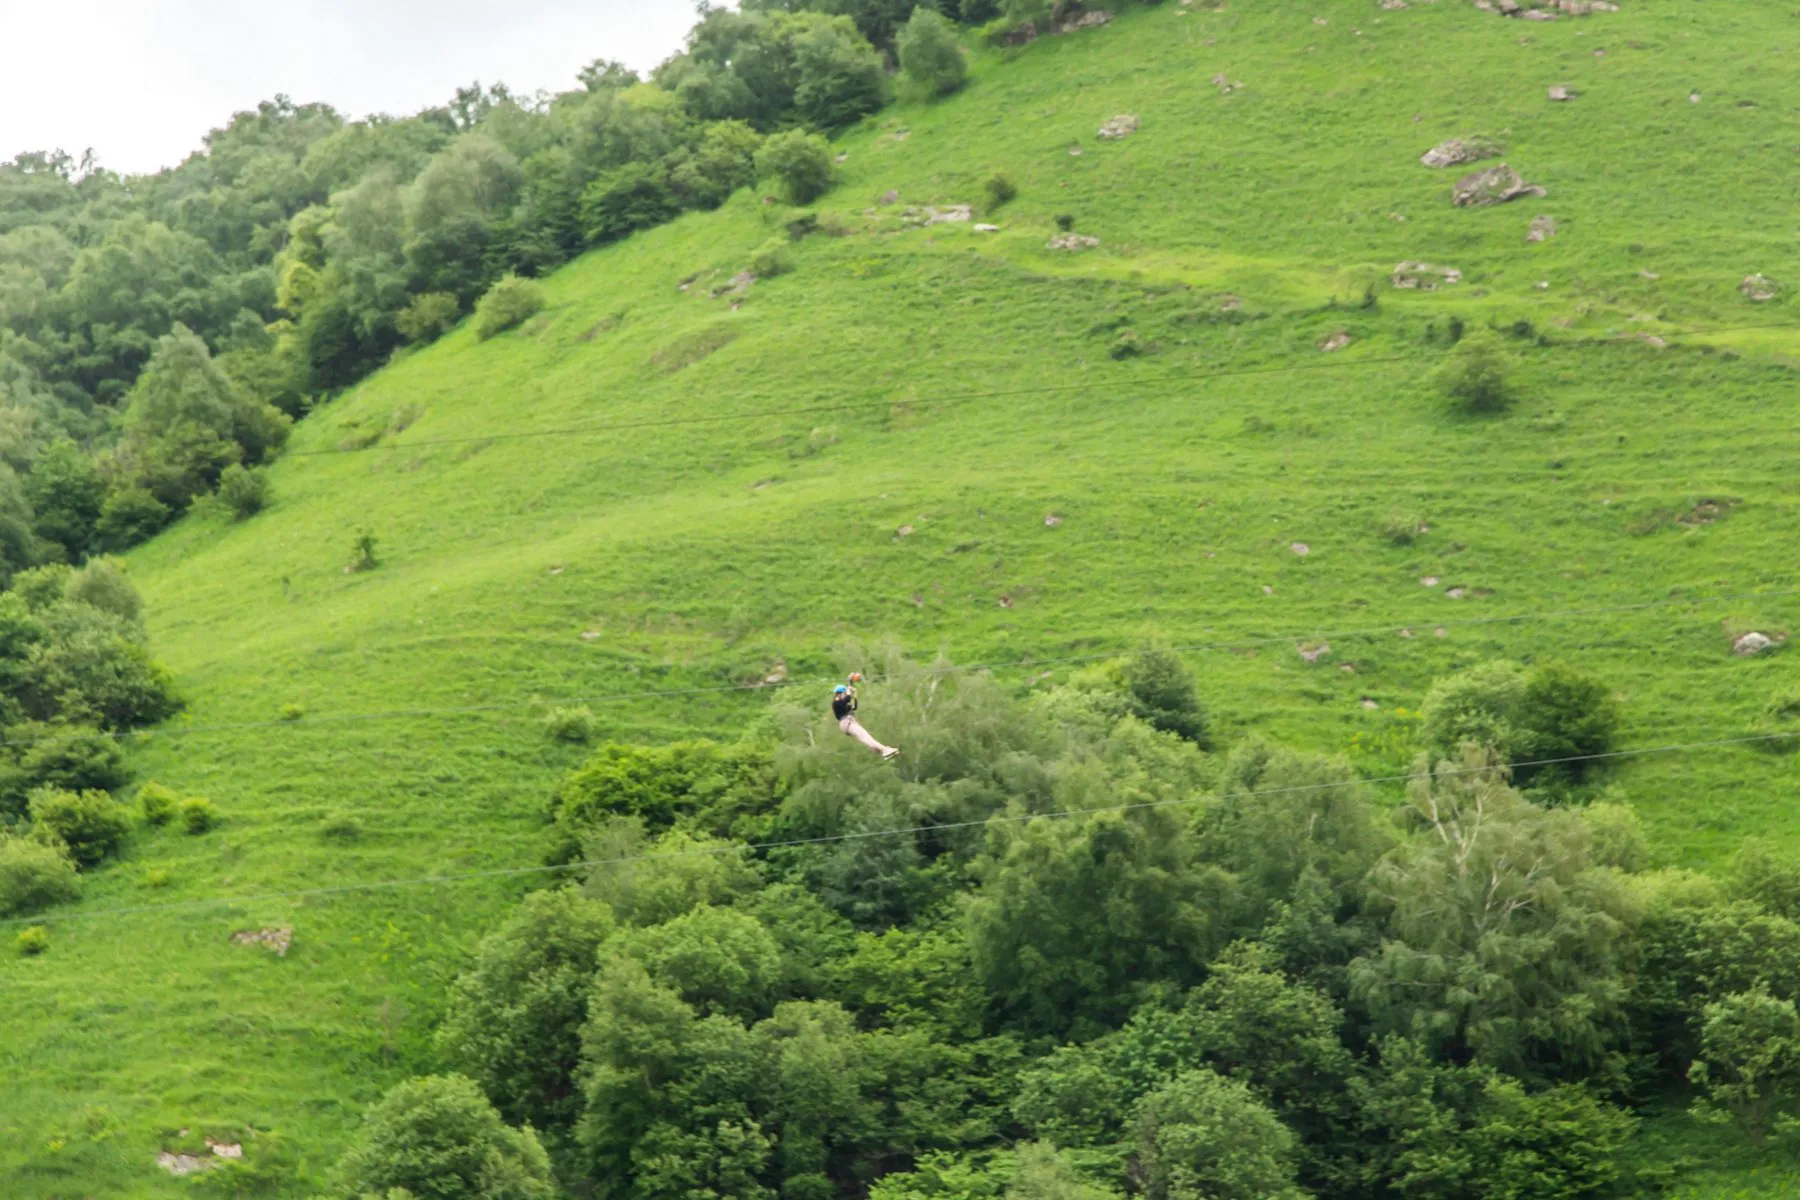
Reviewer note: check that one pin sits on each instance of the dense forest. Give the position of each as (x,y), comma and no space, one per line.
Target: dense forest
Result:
(157,332)
(1066,951)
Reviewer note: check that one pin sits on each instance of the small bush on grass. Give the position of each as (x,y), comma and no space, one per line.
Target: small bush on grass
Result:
(771,258)
(362,552)
(33,940)
(575,724)
(340,826)
(1402,526)
(998,190)
(799,163)
(157,802)
(1477,377)
(930,53)
(156,877)
(244,490)
(506,304)
(91,824)
(198,815)
(429,317)
(34,876)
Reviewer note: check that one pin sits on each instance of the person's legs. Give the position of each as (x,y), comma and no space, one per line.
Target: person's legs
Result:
(853,727)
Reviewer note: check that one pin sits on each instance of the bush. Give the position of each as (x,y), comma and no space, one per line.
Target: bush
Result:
(930,53)
(635,196)
(103,584)
(157,877)
(998,190)
(800,163)
(1402,526)
(340,826)
(506,304)
(197,815)
(429,317)
(91,824)
(292,712)
(437,1136)
(575,724)
(158,803)
(1555,711)
(71,757)
(34,876)
(771,259)
(244,490)
(130,514)
(33,940)
(1476,378)
(362,551)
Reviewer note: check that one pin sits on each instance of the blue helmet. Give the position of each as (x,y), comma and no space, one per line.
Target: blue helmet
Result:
(840,689)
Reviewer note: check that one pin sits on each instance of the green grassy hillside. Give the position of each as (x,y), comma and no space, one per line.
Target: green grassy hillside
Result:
(964,442)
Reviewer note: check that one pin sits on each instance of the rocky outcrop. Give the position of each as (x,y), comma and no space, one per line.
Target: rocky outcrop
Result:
(1494,185)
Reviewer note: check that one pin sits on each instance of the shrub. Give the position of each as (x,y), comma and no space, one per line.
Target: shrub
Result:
(930,53)
(129,514)
(156,877)
(197,814)
(429,317)
(1553,712)
(362,552)
(340,826)
(438,1136)
(1065,221)
(34,876)
(1476,377)
(998,190)
(574,724)
(292,712)
(771,259)
(103,584)
(1402,526)
(244,490)
(92,667)
(622,201)
(506,304)
(43,586)
(1749,1066)
(33,940)
(91,824)
(71,757)
(157,802)
(799,162)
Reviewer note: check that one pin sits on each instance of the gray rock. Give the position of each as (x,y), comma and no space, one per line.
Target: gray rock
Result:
(1561,93)
(1752,643)
(1457,151)
(1073,241)
(1119,128)
(1424,277)
(1758,287)
(1492,185)
(1542,229)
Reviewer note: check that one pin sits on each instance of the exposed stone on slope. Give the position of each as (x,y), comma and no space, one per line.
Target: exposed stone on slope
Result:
(1426,277)
(1542,229)
(1457,151)
(1493,185)
(1758,287)
(1119,128)
(1073,241)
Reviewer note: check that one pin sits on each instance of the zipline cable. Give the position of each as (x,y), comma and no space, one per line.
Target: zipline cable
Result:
(969,668)
(305,894)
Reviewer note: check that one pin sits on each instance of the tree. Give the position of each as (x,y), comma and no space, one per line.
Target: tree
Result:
(428,317)
(91,824)
(1552,712)
(66,493)
(438,1138)
(513,1023)
(1204,1137)
(799,162)
(716,959)
(1749,1066)
(626,199)
(930,53)
(838,76)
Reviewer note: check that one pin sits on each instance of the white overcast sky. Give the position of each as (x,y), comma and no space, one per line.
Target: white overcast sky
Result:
(142,81)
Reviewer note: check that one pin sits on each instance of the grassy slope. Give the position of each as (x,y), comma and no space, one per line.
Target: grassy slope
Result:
(704,553)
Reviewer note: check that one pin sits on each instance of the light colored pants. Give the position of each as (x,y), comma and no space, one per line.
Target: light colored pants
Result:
(853,727)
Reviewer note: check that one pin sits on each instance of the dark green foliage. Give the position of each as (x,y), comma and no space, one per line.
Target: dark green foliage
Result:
(1749,1065)
(714,784)
(513,1023)
(1538,719)
(67,757)
(800,163)
(245,490)
(838,76)
(1477,376)
(91,824)
(428,317)
(66,493)
(439,1139)
(632,197)
(34,876)
(129,514)
(508,303)
(1162,693)
(998,190)
(930,53)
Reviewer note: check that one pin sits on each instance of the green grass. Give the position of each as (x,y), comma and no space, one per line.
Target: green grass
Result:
(704,553)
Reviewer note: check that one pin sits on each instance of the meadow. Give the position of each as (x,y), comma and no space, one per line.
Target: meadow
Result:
(948,442)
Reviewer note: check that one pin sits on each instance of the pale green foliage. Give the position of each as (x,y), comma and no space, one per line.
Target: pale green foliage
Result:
(1617,837)
(573,723)
(428,317)
(1499,942)
(1749,1065)
(34,876)
(245,490)
(930,53)
(102,583)
(197,815)
(33,940)
(91,824)
(508,303)
(437,1136)
(513,1022)
(648,883)
(716,959)
(800,163)
(1204,1137)
(157,803)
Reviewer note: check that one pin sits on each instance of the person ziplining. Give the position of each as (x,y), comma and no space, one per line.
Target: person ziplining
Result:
(843,707)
